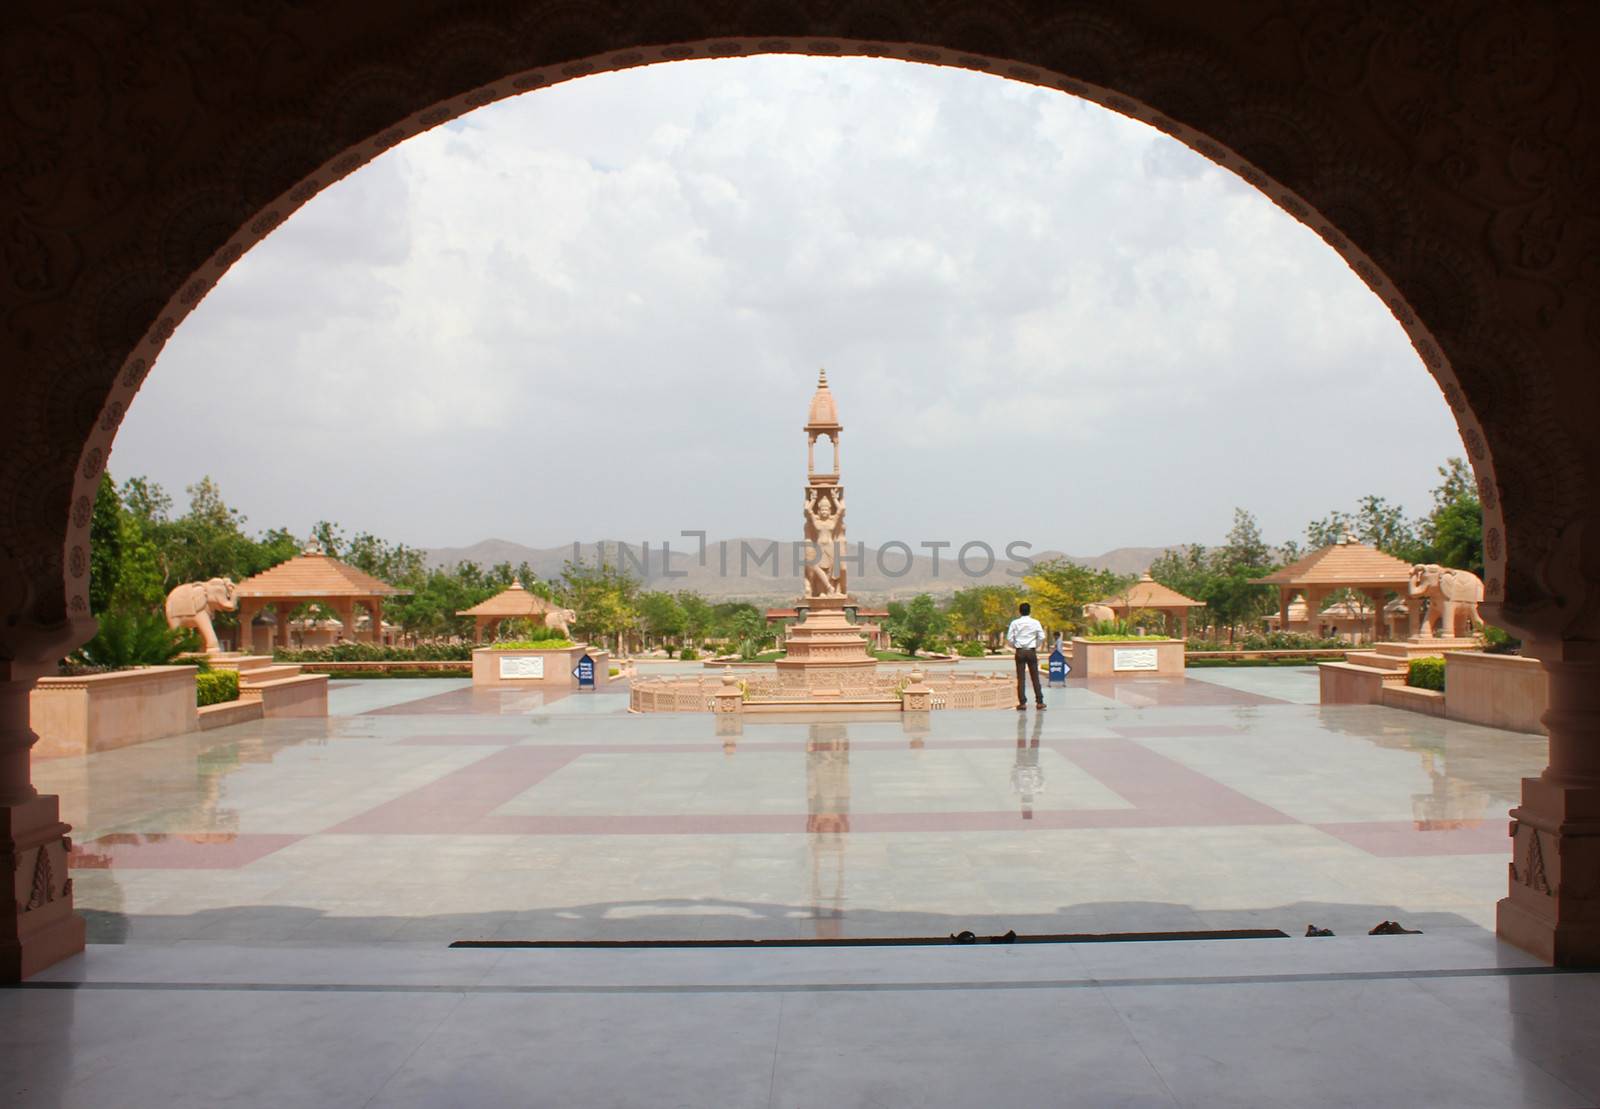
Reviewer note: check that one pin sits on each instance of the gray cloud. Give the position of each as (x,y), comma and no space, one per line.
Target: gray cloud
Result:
(599,310)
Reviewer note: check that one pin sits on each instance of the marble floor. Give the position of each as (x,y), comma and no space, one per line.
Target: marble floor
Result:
(427,810)
(271,909)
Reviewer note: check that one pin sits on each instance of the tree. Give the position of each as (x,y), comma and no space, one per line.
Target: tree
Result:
(603,597)
(660,615)
(918,622)
(1059,589)
(1452,533)
(697,615)
(982,612)
(105,545)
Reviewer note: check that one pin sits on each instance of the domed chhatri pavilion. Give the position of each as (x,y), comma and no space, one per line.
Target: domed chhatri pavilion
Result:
(514,603)
(312,575)
(1347,564)
(827,662)
(1149,595)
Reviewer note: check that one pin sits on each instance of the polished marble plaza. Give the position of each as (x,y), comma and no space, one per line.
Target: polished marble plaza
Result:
(430,811)
(271,909)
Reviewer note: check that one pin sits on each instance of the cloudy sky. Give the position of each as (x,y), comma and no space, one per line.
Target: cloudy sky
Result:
(599,310)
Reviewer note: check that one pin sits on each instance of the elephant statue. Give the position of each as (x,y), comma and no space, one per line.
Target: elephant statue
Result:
(1452,598)
(561,620)
(191,605)
(1100,614)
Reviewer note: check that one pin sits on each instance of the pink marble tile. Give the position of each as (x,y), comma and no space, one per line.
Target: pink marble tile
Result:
(472,701)
(1405,838)
(1161,787)
(171,851)
(459,800)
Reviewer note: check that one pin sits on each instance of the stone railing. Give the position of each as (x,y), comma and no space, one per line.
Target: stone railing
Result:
(733,691)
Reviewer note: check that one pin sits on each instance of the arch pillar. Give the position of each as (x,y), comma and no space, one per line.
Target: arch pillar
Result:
(1552,909)
(37,924)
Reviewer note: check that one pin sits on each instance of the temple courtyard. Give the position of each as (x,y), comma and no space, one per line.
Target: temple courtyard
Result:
(271,907)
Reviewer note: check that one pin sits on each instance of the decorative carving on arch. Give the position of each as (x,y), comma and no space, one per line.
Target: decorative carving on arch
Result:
(144,149)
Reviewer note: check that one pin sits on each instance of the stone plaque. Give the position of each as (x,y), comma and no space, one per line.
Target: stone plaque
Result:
(524,667)
(1133,658)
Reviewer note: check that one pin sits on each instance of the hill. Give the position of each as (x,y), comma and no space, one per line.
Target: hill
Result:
(760,569)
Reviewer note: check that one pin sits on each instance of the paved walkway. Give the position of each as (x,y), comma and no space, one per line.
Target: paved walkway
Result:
(1435,1020)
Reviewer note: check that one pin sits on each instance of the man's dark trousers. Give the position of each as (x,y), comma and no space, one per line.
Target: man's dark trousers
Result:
(1028,663)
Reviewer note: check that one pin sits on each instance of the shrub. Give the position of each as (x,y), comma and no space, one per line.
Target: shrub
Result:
(216,686)
(523,630)
(971,650)
(688,654)
(1498,641)
(134,637)
(1426,673)
(556,644)
(377,652)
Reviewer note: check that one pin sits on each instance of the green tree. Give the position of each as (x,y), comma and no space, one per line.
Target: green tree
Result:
(105,545)
(661,616)
(1452,533)
(603,596)
(918,622)
(1059,588)
(697,615)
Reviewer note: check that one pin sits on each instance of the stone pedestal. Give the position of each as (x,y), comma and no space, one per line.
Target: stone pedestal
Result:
(825,649)
(538,667)
(1553,907)
(1137,656)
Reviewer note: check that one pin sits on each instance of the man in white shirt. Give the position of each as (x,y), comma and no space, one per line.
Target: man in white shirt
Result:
(1025,634)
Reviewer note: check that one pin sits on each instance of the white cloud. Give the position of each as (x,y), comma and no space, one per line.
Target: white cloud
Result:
(599,310)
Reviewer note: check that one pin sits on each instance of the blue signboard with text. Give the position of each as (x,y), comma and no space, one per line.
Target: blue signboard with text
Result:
(1058,666)
(584,672)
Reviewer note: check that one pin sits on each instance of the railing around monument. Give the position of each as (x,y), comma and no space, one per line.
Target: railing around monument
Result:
(950,689)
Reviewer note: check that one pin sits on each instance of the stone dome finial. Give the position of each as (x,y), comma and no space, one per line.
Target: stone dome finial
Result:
(824,412)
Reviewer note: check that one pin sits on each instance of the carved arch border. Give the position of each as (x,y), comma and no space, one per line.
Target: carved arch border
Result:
(1280,126)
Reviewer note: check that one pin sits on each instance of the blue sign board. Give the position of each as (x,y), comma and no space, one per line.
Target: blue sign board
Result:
(1058,666)
(584,672)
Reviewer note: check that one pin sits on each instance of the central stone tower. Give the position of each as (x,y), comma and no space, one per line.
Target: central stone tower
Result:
(825,647)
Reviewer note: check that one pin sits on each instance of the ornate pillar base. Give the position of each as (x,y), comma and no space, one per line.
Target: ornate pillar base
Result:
(37,924)
(1553,910)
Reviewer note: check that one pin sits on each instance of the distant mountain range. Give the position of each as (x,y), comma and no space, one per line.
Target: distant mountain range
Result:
(769,570)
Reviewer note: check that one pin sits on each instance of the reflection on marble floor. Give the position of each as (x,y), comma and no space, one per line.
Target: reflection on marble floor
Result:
(420,810)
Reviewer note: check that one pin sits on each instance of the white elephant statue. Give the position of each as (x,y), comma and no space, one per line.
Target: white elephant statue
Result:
(1452,598)
(191,605)
(561,620)
(1100,614)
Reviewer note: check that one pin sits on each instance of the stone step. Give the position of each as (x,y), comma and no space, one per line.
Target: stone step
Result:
(263,674)
(1374,660)
(232,660)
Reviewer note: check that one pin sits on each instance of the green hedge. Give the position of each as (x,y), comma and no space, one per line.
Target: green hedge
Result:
(688,654)
(213,687)
(1426,673)
(372,652)
(971,650)
(533,645)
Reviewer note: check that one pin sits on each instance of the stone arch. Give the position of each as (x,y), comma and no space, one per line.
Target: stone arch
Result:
(144,150)
(1276,113)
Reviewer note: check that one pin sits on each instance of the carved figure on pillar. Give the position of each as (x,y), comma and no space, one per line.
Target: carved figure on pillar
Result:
(825,531)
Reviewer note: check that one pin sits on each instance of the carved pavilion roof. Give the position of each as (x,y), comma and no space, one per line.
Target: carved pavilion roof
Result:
(824,412)
(1149,593)
(515,601)
(1347,564)
(315,576)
